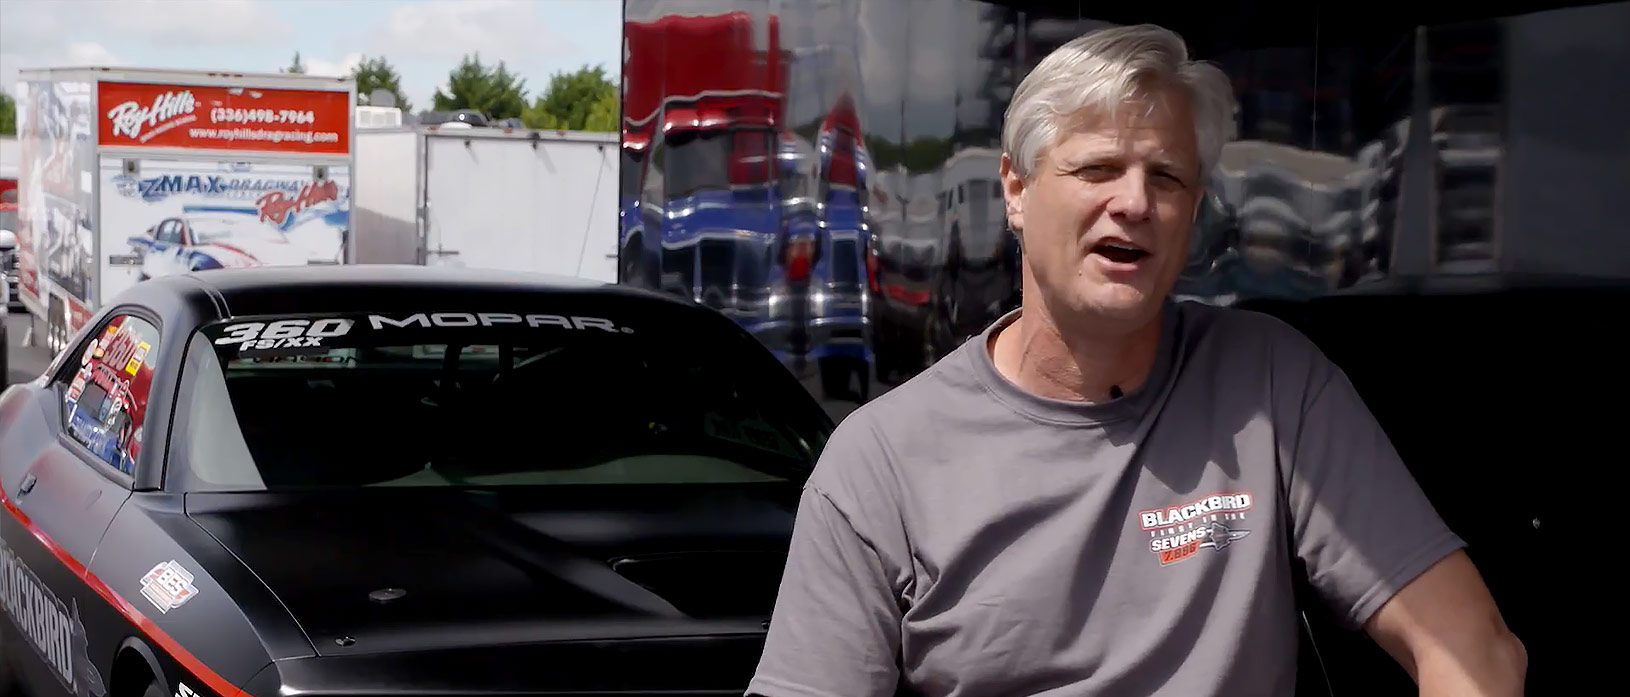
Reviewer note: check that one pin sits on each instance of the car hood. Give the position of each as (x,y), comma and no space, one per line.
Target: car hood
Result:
(390,570)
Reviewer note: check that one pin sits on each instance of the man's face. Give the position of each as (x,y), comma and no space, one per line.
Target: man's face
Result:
(1105,216)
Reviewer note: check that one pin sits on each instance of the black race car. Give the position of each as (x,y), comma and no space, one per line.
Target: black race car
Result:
(377,480)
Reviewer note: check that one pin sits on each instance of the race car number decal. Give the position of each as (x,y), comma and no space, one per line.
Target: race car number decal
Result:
(284,333)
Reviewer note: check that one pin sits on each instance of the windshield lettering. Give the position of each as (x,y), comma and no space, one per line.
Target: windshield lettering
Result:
(491,319)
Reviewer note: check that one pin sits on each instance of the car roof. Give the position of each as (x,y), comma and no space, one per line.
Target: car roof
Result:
(272,290)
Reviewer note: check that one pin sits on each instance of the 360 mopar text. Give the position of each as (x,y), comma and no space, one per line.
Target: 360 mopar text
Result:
(284,333)
(490,319)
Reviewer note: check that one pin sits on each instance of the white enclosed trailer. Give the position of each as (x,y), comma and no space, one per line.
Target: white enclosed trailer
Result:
(129,173)
(512,199)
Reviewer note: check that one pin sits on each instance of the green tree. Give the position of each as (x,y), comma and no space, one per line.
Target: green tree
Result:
(496,92)
(378,74)
(8,114)
(299,68)
(583,100)
(603,114)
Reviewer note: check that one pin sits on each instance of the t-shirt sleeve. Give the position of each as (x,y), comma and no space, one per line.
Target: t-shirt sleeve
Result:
(1364,528)
(835,630)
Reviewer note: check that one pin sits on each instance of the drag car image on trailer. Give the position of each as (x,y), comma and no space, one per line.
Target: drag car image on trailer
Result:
(545,486)
(210,237)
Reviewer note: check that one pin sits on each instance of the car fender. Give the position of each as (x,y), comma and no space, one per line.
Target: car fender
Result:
(215,634)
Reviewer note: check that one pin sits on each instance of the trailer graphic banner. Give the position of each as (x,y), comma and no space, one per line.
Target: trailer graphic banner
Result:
(224,118)
(58,152)
(172,217)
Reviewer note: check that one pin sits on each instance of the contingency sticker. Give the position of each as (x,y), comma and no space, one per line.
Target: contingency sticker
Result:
(136,358)
(168,586)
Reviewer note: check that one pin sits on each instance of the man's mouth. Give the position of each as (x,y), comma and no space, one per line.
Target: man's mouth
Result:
(1120,252)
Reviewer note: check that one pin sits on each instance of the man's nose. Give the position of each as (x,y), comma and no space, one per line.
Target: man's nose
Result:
(1131,196)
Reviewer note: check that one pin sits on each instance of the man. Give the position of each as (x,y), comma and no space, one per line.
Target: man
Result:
(1101,495)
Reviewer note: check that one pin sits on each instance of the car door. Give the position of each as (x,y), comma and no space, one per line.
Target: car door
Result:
(64,500)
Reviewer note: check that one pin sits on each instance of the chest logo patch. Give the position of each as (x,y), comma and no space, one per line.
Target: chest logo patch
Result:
(1215,522)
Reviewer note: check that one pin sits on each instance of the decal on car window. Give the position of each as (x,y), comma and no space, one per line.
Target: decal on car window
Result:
(283,333)
(493,319)
(318,337)
(107,398)
(52,628)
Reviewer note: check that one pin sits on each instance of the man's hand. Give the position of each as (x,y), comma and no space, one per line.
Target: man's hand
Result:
(1444,628)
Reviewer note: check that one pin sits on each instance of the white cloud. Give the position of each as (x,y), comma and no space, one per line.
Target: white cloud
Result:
(87,53)
(51,34)
(51,55)
(328,68)
(196,22)
(507,30)
(29,38)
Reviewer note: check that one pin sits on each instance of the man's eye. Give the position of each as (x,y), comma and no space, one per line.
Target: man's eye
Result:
(1170,178)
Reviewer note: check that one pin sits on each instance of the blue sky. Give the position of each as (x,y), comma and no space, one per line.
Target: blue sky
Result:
(424,39)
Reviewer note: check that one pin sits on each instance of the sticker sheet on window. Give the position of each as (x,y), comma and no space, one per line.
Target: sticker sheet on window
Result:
(107,398)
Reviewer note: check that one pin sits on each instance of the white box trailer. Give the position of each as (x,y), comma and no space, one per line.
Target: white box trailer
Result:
(130,173)
(514,199)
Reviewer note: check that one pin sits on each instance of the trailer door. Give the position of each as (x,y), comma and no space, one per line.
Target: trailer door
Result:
(514,203)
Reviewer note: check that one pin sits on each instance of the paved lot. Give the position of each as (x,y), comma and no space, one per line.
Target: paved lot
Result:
(25,363)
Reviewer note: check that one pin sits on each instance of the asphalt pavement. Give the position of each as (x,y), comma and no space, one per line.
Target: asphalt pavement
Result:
(25,363)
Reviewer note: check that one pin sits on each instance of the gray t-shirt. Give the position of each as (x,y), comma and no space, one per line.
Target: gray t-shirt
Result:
(963,537)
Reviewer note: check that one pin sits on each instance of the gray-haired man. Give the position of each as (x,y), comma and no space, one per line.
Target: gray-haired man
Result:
(1101,494)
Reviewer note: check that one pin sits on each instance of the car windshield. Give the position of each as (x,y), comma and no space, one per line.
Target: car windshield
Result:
(486,400)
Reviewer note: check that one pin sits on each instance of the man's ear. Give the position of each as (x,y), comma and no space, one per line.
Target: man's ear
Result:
(1012,194)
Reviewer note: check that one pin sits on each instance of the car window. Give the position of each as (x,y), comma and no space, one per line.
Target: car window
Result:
(441,400)
(170,231)
(106,400)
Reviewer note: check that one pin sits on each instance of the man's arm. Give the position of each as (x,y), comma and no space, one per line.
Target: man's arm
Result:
(1379,554)
(1444,629)
(835,630)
